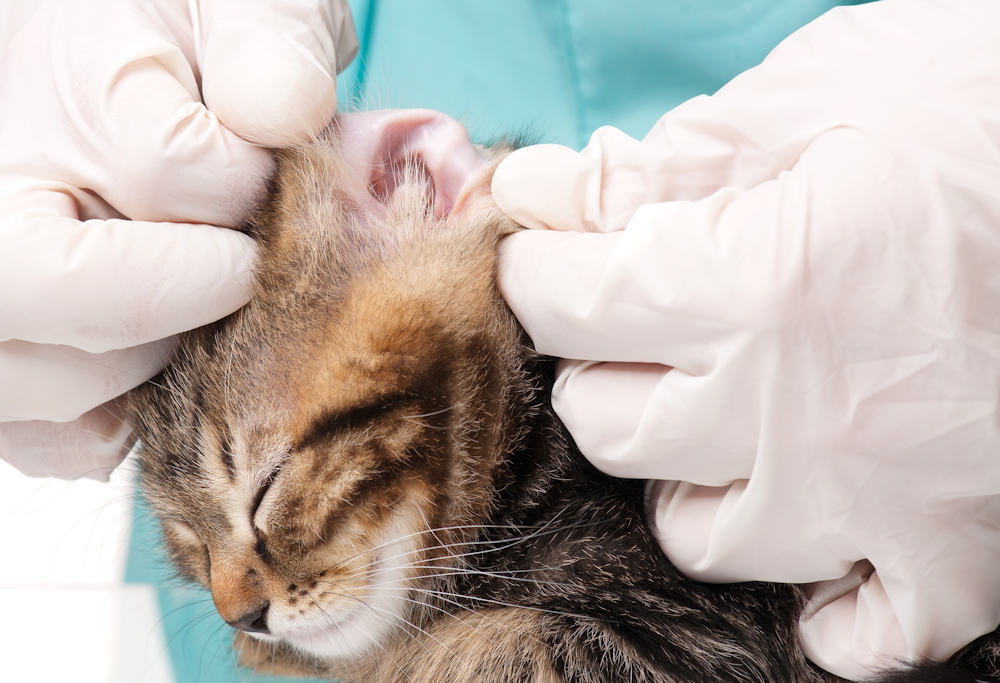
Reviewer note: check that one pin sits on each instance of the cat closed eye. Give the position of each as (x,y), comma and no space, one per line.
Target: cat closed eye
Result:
(259,496)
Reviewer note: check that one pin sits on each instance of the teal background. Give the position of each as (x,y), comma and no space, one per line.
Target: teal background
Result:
(560,68)
(552,70)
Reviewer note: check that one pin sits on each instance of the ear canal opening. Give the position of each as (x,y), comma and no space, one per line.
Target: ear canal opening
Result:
(384,146)
(386,177)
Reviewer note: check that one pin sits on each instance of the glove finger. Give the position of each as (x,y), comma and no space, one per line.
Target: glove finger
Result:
(694,150)
(686,280)
(727,140)
(102,285)
(648,421)
(61,383)
(269,68)
(90,446)
(752,129)
(168,158)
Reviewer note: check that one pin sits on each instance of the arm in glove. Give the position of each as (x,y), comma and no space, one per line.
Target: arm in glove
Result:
(786,314)
(130,131)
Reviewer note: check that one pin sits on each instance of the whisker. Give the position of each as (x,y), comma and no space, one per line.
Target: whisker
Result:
(431,414)
(513,540)
(373,568)
(213,638)
(229,369)
(425,425)
(367,635)
(397,539)
(170,390)
(119,442)
(161,625)
(391,614)
(334,623)
(490,601)
(497,546)
(502,574)
(421,603)
(459,619)
(411,624)
(185,628)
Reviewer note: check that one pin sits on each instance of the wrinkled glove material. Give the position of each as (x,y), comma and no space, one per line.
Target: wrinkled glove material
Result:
(115,180)
(786,296)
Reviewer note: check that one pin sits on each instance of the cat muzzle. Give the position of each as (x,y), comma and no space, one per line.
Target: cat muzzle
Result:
(253,621)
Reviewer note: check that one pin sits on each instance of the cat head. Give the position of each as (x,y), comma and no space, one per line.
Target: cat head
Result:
(316,456)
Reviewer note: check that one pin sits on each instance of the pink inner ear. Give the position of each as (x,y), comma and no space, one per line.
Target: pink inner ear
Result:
(377,144)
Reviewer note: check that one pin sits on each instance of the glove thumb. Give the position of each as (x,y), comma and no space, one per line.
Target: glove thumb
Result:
(269,68)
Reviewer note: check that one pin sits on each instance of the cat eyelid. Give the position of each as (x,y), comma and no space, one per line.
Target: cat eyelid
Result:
(260,548)
(261,492)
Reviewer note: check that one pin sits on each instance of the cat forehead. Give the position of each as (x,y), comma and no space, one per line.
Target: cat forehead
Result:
(252,414)
(243,454)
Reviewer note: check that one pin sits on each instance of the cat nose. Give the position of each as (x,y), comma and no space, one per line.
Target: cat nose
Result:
(254,621)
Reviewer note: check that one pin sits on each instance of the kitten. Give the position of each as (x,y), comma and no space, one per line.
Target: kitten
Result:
(363,466)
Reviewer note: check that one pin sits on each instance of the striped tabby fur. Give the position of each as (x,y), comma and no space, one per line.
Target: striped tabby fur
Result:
(368,450)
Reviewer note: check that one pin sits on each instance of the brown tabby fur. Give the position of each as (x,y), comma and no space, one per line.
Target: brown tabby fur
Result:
(376,387)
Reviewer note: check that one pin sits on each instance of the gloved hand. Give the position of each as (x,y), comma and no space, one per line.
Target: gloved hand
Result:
(129,131)
(789,318)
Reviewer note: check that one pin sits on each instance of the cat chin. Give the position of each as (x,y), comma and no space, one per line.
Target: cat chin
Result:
(372,617)
(351,637)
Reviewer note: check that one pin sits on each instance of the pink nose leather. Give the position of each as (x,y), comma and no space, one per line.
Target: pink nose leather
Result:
(376,144)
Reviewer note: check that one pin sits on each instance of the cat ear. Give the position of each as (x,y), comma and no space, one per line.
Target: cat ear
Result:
(379,145)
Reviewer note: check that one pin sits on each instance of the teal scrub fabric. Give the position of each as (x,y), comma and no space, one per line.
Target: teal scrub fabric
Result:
(541,70)
(559,69)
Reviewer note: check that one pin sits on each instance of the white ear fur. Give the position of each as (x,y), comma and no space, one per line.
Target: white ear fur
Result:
(182,531)
(379,145)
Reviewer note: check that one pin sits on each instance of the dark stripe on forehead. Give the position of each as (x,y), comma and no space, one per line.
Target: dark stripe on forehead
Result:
(226,454)
(225,448)
(336,421)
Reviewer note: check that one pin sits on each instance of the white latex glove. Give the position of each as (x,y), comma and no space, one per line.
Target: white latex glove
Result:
(815,251)
(103,119)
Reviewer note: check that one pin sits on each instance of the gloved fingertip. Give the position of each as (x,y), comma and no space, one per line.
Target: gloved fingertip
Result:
(549,279)
(544,187)
(603,405)
(523,263)
(276,92)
